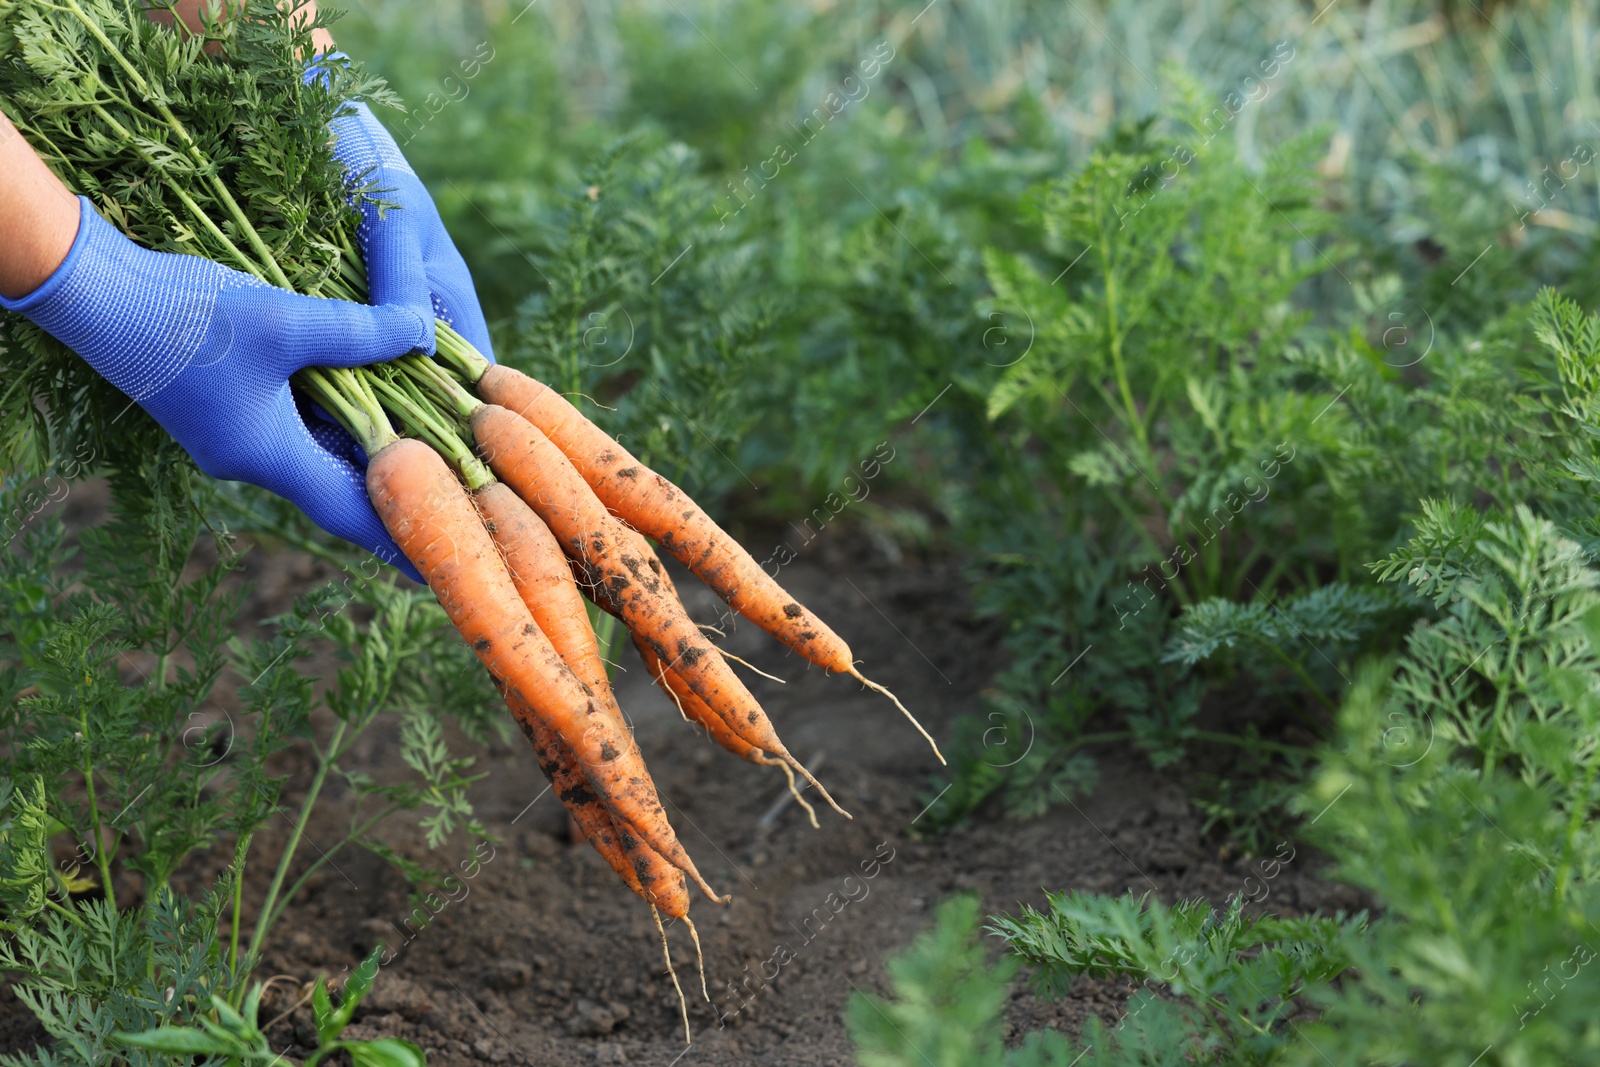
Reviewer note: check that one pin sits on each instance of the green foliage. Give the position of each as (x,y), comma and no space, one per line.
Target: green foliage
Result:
(1154,444)
(650,316)
(1484,881)
(1189,471)
(1459,792)
(233,1035)
(1231,982)
(91,973)
(112,652)
(1302,633)
(946,1005)
(1203,327)
(69,715)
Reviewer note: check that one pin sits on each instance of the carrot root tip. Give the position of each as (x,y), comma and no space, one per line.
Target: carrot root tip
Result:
(673,693)
(711,894)
(666,950)
(794,790)
(770,677)
(808,776)
(700,957)
(870,684)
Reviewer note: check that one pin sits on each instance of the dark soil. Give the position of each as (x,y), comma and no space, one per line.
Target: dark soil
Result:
(545,959)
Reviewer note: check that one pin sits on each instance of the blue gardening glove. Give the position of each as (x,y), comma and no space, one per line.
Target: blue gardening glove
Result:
(410,259)
(208,352)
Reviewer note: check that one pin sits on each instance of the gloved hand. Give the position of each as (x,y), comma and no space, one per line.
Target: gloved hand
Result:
(208,352)
(410,259)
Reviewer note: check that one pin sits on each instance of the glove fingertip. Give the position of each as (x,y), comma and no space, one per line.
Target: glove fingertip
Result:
(398,561)
(356,522)
(354,335)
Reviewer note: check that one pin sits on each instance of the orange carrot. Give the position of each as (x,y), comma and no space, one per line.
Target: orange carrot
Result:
(615,562)
(651,504)
(545,583)
(433,522)
(660,510)
(693,709)
(544,580)
(646,873)
(656,566)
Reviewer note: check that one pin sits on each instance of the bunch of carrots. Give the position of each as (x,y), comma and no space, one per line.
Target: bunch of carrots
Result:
(509,502)
(513,534)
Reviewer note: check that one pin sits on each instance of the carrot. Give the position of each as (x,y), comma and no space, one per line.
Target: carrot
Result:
(636,864)
(544,581)
(694,710)
(656,567)
(651,504)
(433,522)
(646,873)
(615,562)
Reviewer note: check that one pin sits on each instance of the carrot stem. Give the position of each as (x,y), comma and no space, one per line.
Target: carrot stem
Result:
(347,279)
(459,354)
(415,414)
(439,385)
(364,421)
(264,918)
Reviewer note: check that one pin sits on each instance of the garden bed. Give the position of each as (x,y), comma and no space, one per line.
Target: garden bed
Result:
(542,958)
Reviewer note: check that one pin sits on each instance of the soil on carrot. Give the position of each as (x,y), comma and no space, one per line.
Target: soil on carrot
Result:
(540,956)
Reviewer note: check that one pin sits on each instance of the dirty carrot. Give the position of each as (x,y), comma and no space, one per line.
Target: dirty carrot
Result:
(434,523)
(647,874)
(694,710)
(544,581)
(617,566)
(657,882)
(651,504)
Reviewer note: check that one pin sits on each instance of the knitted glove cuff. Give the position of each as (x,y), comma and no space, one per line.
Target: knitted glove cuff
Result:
(97,303)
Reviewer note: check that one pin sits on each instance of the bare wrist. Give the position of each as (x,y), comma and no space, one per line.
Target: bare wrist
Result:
(191,14)
(38,216)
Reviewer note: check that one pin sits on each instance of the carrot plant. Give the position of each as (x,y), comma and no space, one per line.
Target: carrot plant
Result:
(1152,441)
(1457,790)
(667,351)
(142,732)
(1189,470)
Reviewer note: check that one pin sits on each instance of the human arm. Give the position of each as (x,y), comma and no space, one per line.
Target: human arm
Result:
(189,13)
(206,351)
(38,216)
